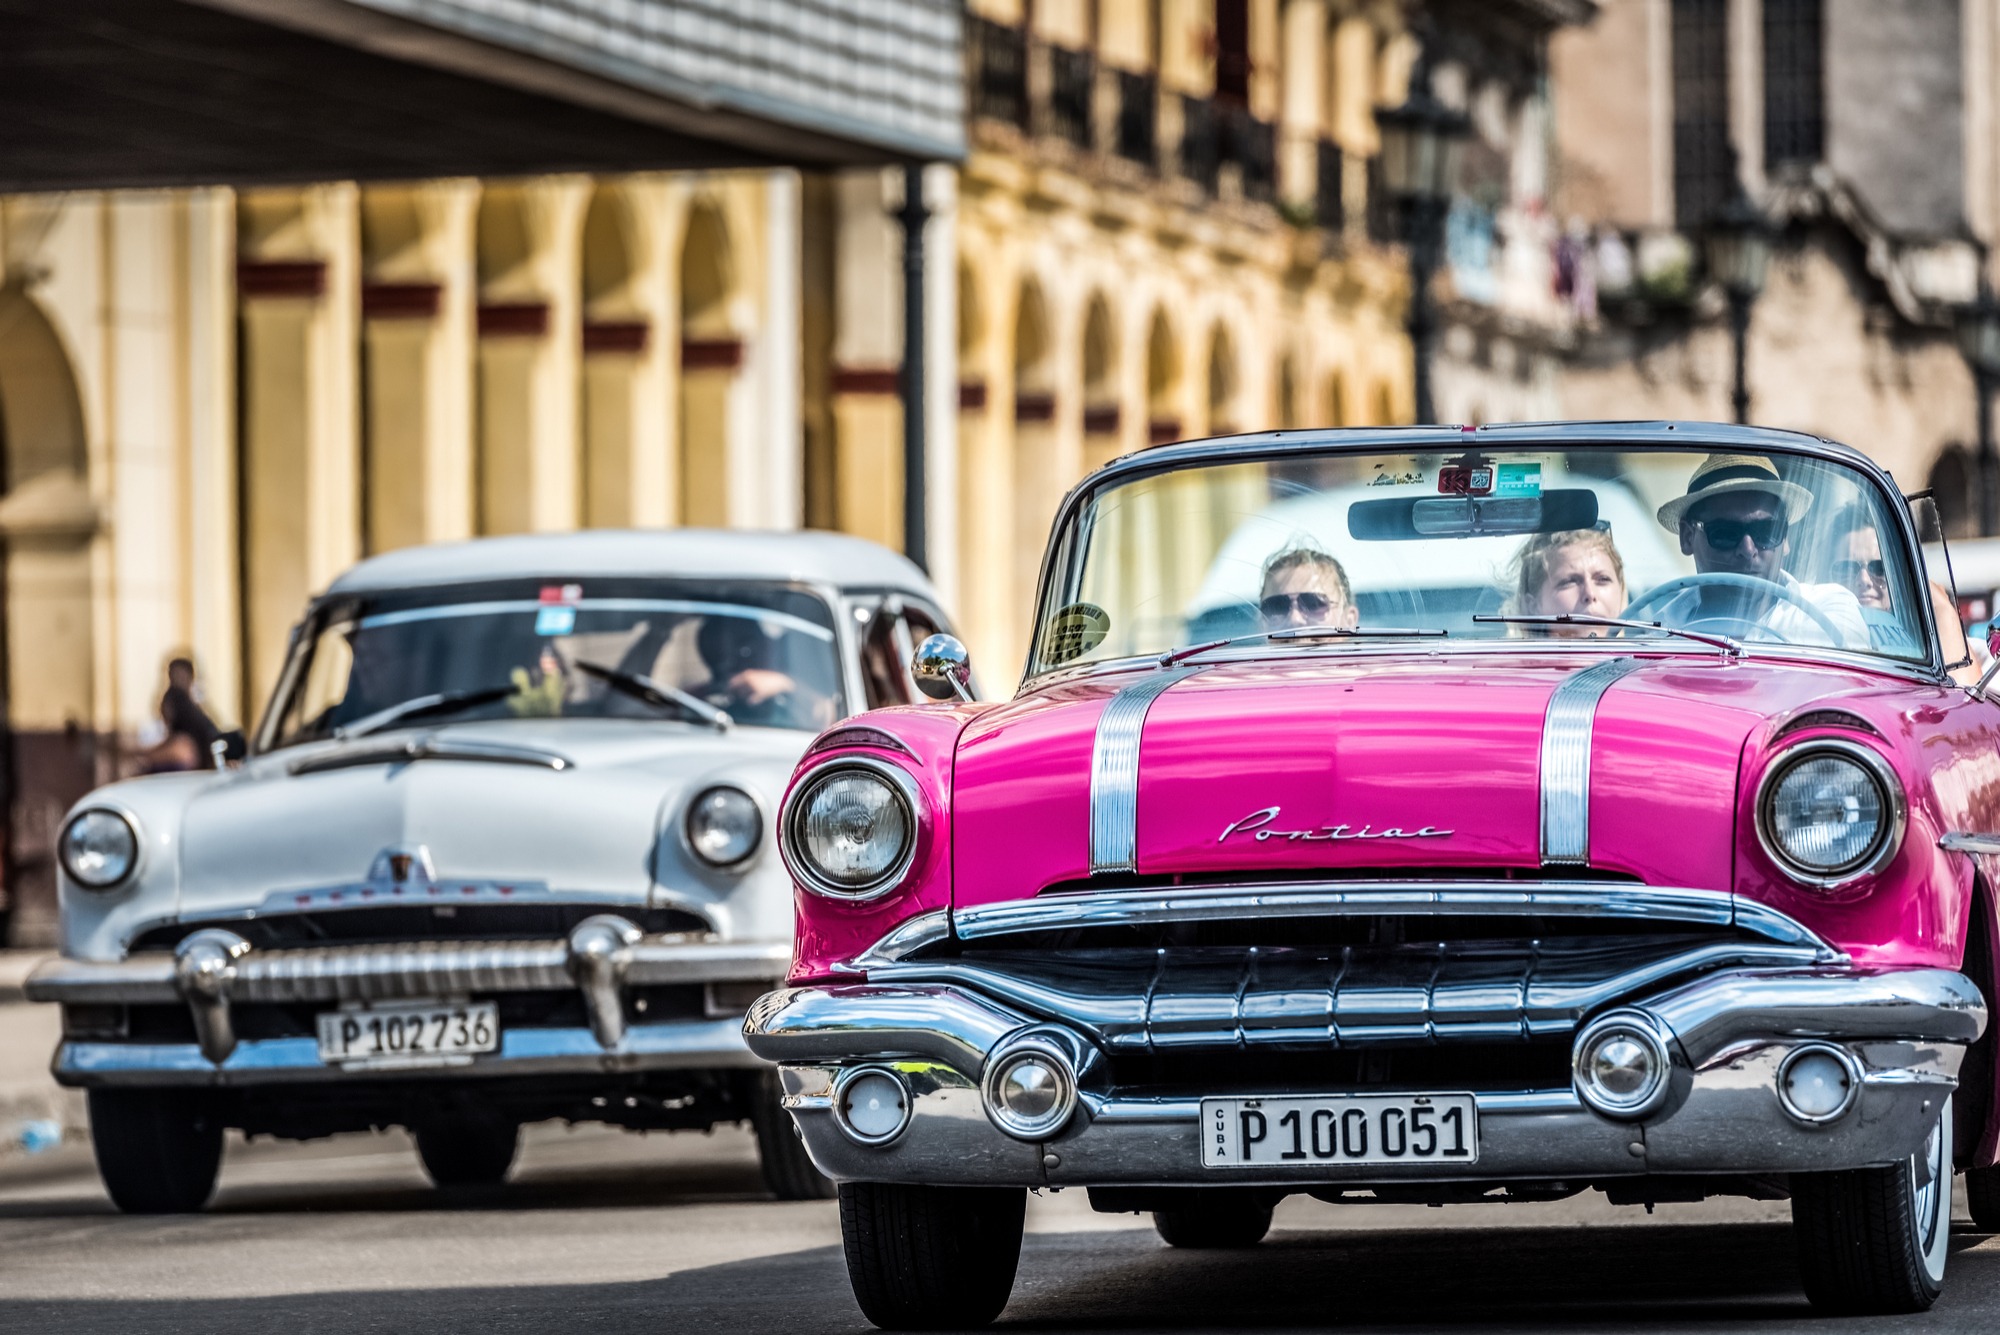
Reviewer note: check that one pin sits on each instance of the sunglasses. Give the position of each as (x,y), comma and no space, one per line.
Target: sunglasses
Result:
(1309,604)
(1850,572)
(1727,534)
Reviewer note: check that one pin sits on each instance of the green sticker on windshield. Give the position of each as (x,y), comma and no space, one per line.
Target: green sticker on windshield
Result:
(1517,480)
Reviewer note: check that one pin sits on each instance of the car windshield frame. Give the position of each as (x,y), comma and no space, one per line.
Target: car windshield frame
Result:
(468,598)
(1069,531)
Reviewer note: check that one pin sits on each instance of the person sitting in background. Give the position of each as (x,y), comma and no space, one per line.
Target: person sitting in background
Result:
(1576,572)
(1305,587)
(190,731)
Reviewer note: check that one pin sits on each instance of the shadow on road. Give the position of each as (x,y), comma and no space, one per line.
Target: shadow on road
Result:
(1661,1277)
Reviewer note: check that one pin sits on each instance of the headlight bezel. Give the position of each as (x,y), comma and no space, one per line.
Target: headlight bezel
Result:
(1895,812)
(791,843)
(749,855)
(131,872)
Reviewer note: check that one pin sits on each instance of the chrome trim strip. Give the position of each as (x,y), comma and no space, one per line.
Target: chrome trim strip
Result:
(409,750)
(1566,739)
(683,1045)
(1969,842)
(946,1024)
(843,735)
(905,939)
(1369,899)
(1114,771)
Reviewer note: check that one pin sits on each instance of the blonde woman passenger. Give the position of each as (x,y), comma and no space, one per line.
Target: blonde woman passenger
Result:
(1576,572)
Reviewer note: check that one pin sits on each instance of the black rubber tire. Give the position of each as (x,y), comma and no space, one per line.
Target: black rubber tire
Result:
(788,1169)
(1862,1246)
(927,1258)
(158,1150)
(1215,1225)
(467,1150)
(1982,1198)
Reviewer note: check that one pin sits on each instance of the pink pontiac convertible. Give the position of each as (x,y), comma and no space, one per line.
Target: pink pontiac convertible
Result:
(1424,815)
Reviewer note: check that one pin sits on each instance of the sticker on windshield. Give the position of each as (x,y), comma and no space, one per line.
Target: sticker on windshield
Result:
(1074,632)
(571,594)
(1517,479)
(555,620)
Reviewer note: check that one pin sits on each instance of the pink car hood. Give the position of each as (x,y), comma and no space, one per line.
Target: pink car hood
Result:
(1412,767)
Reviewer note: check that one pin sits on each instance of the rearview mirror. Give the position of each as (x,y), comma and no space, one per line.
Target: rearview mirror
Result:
(1401,519)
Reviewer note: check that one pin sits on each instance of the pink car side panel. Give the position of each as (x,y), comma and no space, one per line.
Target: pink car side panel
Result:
(829,931)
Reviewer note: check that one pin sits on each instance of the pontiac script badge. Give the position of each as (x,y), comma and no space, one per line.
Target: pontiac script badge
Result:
(1258,826)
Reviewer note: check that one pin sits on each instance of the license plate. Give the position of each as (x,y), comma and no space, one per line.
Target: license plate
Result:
(437,1034)
(1339,1129)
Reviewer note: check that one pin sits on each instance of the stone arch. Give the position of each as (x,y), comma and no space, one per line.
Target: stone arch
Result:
(610,254)
(1101,372)
(711,354)
(1163,381)
(1224,383)
(971,314)
(1037,486)
(47,520)
(1954,485)
(615,338)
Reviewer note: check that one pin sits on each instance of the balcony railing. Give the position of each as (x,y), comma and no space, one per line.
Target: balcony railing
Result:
(996,58)
(1072,85)
(1329,207)
(1251,145)
(1200,156)
(1135,137)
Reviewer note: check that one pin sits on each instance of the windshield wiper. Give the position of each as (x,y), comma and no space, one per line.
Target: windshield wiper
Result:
(443,702)
(1174,656)
(1732,647)
(659,693)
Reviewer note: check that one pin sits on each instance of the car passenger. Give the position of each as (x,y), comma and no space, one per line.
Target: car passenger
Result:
(1576,572)
(1306,587)
(1857,557)
(748,679)
(1736,519)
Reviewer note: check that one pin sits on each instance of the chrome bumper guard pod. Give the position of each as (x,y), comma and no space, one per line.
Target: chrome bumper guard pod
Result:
(213,969)
(1726,1042)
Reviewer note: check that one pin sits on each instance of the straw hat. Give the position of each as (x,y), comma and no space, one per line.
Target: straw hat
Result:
(1723,473)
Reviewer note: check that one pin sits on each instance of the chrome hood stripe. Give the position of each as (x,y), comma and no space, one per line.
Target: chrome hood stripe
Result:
(1114,772)
(1566,741)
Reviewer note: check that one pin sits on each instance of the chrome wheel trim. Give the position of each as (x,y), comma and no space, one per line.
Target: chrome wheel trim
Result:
(1931,1202)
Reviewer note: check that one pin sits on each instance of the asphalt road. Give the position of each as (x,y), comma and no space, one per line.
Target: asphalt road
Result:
(606,1232)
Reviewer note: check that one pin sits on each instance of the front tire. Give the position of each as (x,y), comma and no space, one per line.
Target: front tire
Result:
(464,1151)
(158,1150)
(781,1153)
(1873,1241)
(1215,1225)
(922,1258)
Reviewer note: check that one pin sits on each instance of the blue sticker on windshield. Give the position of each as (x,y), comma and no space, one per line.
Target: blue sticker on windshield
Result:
(555,620)
(1517,480)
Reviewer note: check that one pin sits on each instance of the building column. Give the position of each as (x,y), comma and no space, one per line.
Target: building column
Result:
(530,346)
(628,388)
(867,351)
(417,308)
(298,285)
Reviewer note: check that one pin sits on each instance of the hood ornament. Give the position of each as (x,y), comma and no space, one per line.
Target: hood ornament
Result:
(1258,826)
(403,867)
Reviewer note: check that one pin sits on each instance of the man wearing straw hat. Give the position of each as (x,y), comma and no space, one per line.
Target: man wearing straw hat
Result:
(1737,519)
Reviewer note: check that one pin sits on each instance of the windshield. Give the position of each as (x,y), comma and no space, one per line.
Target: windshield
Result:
(764,654)
(1758,549)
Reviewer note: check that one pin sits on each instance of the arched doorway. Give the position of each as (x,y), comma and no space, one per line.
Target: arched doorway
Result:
(50,755)
(711,354)
(1163,382)
(1222,384)
(1103,432)
(1954,485)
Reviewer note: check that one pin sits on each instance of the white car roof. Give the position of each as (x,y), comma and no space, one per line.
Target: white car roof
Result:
(833,558)
(1319,521)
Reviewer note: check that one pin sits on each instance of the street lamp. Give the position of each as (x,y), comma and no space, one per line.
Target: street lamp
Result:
(1419,167)
(1737,243)
(1977,324)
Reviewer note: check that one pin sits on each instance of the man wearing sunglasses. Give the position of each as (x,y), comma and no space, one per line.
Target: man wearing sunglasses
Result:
(1304,587)
(1736,519)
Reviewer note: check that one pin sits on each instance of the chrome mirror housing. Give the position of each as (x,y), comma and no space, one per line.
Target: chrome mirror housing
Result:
(942,669)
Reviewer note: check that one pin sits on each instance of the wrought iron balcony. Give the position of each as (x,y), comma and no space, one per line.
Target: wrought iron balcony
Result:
(996,60)
(1072,82)
(1200,152)
(1251,146)
(1329,207)
(1136,136)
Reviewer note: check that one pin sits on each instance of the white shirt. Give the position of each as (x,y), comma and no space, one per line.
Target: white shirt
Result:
(1786,621)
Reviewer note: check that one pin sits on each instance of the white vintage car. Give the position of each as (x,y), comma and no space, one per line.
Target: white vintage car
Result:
(501,851)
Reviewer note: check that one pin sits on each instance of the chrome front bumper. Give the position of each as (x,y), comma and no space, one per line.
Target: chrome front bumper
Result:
(1907,1031)
(212,970)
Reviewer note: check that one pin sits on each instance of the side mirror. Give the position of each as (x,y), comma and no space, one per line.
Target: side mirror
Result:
(942,669)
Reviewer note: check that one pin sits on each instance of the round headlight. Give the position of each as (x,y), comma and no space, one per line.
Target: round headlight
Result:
(1831,812)
(99,849)
(724,826)
(852,830)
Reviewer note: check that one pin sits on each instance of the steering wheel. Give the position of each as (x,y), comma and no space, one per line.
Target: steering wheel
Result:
(1747,583)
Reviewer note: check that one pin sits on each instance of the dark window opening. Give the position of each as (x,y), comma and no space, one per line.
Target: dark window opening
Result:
(1794,87)
(1232,51)
(1704,166)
